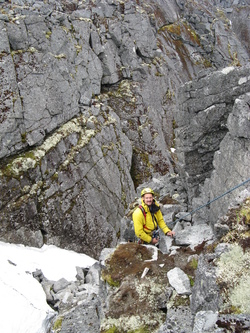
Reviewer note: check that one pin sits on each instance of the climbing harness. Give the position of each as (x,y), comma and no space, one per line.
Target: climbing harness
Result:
(155,233)
(209,202)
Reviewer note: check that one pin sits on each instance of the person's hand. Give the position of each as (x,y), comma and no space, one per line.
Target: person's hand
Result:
(171,233)
(154,241)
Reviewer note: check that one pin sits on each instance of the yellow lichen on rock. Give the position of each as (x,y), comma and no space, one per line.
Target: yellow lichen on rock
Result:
(233,274)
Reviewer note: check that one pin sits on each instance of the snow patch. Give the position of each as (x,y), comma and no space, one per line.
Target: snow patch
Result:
(23,305)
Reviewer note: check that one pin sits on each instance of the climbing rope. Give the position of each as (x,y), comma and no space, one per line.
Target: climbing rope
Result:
(209,202)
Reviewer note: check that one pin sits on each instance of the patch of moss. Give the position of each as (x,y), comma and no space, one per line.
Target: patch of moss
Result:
(182,30)
(159,74)
(140,168)
(181,301)
(128,259)
(172,28)
(58,324)
(233,309)
(238,221)
(55,176)
(24,137)
(14,52)
(109,280)
(211,247)
(111,330)
(193,263)
(207,63)
(244,213)
(233,278)
(48,34)
(191,279)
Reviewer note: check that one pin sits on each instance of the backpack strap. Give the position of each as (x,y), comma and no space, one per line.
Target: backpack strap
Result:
(144,214)
(143,211)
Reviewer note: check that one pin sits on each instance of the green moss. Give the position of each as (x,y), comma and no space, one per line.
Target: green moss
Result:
(110,281)
(111,330)
(244,213)
(48,34)
(118,234)
(114,329)
(182,30)
(211,247)
(207,63)
(181,301)
(138,171)
(192,35)
(234,309)
(16,52)
(24,137)
(238,221)
(55,176)
(172,28)
(191,279)
(159,74)
(193,263)
(58,324)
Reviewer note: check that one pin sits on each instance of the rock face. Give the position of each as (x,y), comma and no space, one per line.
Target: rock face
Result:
(213,138)
(201,121)
(49,194)
(230,162)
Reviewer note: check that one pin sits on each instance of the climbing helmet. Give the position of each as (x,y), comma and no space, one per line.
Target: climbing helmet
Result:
(147,191)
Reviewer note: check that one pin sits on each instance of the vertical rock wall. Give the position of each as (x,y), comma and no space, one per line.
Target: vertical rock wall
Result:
(212,137)
(71,190)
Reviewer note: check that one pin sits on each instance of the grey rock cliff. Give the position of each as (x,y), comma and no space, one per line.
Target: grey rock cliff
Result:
(208,108)
(213,141)
(53,189)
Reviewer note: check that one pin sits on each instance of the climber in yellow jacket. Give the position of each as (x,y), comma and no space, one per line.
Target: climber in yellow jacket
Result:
(147,217)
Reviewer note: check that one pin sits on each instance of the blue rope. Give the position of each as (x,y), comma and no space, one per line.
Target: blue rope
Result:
(209,202)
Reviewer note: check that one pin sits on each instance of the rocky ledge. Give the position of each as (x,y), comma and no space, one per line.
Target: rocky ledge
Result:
(198,288)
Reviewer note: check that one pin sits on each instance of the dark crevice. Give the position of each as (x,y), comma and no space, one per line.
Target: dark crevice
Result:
(107,87)
(138,52)
(44,234)
(90,42)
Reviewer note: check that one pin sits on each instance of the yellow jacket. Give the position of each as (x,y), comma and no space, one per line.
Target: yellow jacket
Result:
(144,229)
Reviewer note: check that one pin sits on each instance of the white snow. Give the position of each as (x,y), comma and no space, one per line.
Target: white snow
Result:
(23,304)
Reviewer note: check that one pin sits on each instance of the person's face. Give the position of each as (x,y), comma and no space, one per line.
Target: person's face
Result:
(148,199)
